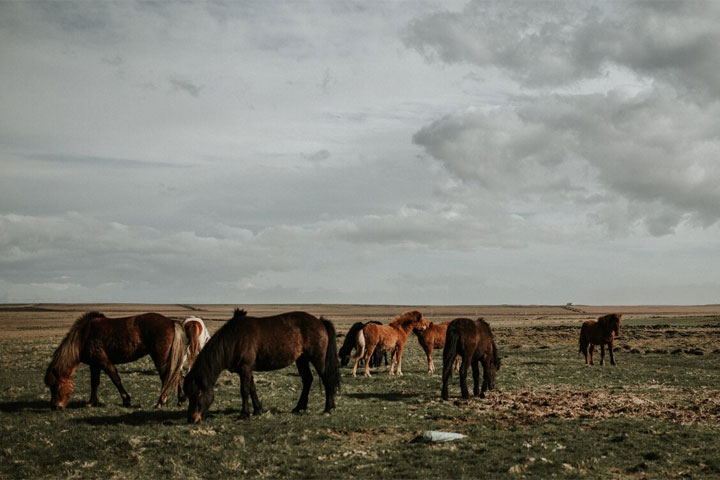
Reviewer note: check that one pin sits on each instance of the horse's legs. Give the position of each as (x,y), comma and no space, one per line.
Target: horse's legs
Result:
(591,349)
(368,355)
(319,364)
(446,374)
(164,372)
(94,384)
(476,379)
(257,406)
(602,354)
(611,350)
(358,355)
(393,360)
(399,360)
(431,365)
(180,394)
(245,379)
(112,372)
(584,349)
(463,377)
(303,366)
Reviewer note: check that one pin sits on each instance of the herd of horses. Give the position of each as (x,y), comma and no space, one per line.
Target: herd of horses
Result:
(246,344)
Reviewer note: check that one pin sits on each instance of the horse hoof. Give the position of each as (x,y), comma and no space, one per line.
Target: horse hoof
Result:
(244,416)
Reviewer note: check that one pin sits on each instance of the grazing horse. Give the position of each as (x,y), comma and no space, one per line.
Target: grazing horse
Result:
(350,344)
(245,344)
(599,332)
(474,342)
(197,336)
(387,337)
(430,338)
(102,342)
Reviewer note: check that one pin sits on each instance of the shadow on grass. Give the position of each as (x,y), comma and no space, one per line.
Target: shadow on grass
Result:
(387,396)
(144,417)
(35,406)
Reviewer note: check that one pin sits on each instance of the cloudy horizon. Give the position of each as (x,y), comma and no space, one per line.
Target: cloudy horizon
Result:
(360,152)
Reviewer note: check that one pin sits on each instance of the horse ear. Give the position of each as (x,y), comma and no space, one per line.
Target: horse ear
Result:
(239,313)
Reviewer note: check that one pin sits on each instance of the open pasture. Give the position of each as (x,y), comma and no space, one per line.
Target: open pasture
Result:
(654,415)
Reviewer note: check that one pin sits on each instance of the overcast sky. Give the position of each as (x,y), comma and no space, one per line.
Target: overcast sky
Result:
(360,152)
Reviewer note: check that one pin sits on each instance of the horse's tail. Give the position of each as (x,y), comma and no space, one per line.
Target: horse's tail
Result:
(350,342)
(450,351)
(332,366)
(67,354)
(194,341)
(175,359)
(580,339)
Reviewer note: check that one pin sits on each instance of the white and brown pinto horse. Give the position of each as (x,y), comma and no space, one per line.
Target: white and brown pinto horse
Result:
(197,336)
(387,337)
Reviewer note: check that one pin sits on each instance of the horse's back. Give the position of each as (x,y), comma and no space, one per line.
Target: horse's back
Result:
(277,341)
(126,339)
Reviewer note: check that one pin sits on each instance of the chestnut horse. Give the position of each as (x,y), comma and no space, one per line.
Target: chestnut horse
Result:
(430,338)
(102,342)
(474,342)
(387,337)
(600,332)
(245,344)
(197,336)
(350,344)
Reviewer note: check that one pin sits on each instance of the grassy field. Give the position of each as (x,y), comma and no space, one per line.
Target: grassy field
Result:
(655,415)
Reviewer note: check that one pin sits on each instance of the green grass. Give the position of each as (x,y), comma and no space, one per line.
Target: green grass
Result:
(657,422)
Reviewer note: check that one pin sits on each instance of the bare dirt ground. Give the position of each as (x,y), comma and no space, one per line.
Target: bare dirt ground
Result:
(47,319)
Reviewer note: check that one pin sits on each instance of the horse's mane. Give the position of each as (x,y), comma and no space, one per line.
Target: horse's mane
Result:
(214,356)
(404,318)
(67,354)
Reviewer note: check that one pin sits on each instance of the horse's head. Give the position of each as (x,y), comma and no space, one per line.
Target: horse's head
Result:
(200,397)
(416,320)
(61,388)
(611,323)
(422,327)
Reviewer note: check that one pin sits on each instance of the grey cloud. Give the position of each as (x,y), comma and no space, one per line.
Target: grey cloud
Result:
(654,148)
(558,43)
(179,83)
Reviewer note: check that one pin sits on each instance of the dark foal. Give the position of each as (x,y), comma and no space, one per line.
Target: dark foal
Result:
(600,332)
(473,341)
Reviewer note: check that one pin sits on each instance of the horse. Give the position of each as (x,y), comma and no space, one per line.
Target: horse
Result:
(388,337)
(245,344)
(197,336)
(430,338)
(474,342)
(599,332)
(350,343)
(102,342)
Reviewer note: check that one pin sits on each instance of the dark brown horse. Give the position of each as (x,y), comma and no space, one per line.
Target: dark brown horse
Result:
(103,342)
(350,344)
(474,342)
(245,344)
(600,332)
(387,337)
(430,338)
